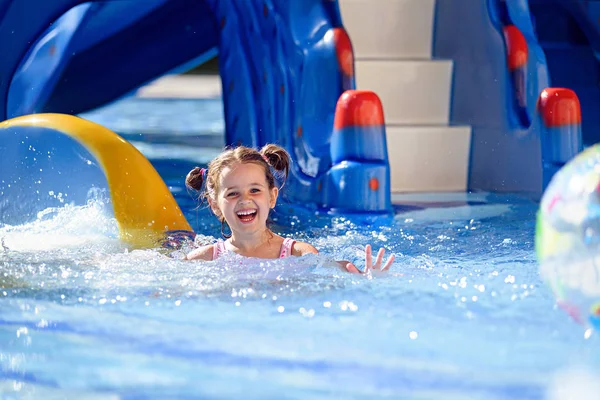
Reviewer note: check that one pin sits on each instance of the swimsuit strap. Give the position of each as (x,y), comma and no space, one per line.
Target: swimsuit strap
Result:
(219,249)
(286,247)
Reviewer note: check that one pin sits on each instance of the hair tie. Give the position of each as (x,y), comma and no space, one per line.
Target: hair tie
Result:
(203,173)
(265,158)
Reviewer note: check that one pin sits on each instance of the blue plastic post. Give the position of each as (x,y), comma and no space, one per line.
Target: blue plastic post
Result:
(360,178)
(561,138)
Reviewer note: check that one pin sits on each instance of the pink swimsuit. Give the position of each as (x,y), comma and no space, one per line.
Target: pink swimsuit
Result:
(286,248)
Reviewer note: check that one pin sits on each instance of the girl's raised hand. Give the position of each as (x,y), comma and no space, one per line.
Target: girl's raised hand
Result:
(350,267)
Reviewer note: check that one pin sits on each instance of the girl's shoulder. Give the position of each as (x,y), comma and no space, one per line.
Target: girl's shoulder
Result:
(201,253)
(302,248)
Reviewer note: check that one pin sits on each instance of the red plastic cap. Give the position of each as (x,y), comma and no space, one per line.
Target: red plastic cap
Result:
(358,108)
(516,47)
(559,107)
(343,51)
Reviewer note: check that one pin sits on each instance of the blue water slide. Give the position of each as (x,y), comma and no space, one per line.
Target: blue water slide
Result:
(287,70)
(39,70)
(282,72)
(98,51)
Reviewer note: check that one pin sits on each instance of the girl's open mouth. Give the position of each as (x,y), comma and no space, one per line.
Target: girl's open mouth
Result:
(246,215)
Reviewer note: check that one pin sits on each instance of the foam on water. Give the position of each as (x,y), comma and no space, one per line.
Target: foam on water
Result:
(64,227)
(78,247)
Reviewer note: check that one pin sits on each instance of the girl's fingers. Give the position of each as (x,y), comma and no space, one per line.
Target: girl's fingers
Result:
(368,257)
(352,268)
(389,262)
(379,259)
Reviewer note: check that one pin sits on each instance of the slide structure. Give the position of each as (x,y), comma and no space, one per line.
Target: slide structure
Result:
(526,78)
(287,70)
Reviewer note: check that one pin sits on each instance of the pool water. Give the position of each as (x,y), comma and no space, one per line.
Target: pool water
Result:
(462,314)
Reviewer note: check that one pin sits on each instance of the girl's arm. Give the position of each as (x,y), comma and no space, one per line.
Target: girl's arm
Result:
(369,266)
(300,248)
(201,253)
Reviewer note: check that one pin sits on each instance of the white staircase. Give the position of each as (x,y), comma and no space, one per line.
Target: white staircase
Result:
(392,46)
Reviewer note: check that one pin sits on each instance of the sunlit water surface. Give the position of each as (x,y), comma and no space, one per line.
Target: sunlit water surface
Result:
(462,314)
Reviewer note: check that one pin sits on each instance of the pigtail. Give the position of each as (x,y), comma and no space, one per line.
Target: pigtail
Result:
(195,178)
(278,159)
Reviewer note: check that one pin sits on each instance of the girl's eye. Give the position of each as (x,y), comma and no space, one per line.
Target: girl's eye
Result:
(231,194)
(254,190)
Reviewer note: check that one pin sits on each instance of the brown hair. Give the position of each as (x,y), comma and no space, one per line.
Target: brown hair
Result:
(271,157)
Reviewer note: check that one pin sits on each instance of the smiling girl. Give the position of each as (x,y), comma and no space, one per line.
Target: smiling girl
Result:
(240,187)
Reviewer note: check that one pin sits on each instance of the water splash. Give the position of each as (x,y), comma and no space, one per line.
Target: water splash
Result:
(64,227)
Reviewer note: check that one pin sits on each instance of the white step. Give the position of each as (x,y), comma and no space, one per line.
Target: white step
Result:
(412,92)
(183,86)
(389,28)
(428,158)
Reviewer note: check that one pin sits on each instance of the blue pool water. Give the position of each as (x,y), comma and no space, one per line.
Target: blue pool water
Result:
(462,314)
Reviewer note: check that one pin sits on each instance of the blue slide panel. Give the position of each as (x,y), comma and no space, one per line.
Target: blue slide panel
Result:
(93,66)
(22,22)
(526,78)
(39,70)
(498,103)
(173,35)
(77,30)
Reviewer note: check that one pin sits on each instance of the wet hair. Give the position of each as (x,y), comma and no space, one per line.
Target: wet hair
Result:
(273,158)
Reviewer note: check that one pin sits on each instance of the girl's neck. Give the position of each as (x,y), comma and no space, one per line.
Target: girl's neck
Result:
(252,241)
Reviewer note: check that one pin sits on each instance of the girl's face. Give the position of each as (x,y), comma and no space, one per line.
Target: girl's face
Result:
(244,198)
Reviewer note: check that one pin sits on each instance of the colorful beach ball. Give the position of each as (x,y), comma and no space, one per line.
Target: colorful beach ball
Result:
(568,237)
